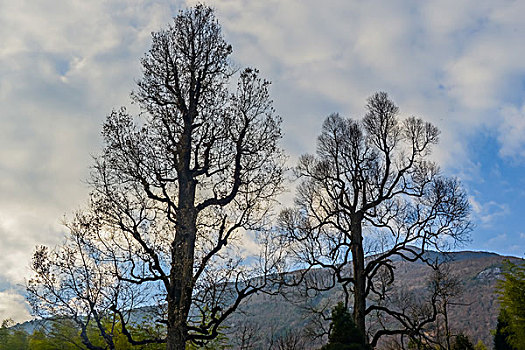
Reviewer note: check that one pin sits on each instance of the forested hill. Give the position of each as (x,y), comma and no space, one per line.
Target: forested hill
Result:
(473,312)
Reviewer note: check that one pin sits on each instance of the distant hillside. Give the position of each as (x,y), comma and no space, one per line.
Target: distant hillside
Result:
(474,312)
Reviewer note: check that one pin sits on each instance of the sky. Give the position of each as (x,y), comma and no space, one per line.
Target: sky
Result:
(64,65)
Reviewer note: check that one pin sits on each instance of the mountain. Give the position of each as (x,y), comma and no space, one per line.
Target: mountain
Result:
(474,312)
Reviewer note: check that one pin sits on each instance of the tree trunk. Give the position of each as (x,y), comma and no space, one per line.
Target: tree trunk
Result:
(176,337)
(182,250)
(447,330)
(358,259)
(181,279)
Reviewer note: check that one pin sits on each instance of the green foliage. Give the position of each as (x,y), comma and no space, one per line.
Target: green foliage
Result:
(511,291)
(64,334)
(480,346)
(113,327)
(17,340)
(220,342)
(502,335)
(12,339)
(462,342)
(344,334)
(61,336)
(4,332)
(52,340)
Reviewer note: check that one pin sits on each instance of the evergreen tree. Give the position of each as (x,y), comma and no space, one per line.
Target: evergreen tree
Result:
(511,291)
(344,334)
(502,334)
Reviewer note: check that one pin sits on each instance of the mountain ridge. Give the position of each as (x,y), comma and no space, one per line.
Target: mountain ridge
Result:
(474,312)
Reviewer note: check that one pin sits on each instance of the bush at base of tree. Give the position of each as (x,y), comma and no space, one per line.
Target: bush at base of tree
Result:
(415,344)
(344,334)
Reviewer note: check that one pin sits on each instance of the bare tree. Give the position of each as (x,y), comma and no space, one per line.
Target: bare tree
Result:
(372,191)
(448,288)
(246,335)
(73,283)
(176,189)
(423,311)
(291,340)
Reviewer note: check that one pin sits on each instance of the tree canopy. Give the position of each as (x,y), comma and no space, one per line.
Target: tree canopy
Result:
(371,189)
(174,192)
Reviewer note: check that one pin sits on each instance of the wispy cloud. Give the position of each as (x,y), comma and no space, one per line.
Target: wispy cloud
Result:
(486,212)
(453,62)
(496,241)
(64,66)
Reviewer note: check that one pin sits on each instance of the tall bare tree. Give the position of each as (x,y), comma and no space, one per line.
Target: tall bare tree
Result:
(177,188)
(371,190)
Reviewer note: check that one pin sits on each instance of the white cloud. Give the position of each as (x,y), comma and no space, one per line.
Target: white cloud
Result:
(451,62)
(512,132)
(498,240)
(14,306)
(65,65)
(486,212)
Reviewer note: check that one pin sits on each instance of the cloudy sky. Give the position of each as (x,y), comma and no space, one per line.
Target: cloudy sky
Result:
(64,65)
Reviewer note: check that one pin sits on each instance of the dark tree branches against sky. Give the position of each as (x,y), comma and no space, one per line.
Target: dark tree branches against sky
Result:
(175,190)
(66,64)
(368,196)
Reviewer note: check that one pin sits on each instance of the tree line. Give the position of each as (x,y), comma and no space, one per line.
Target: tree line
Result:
(177,189)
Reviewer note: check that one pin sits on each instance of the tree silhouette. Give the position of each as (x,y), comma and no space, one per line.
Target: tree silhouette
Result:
(176,188)
(372,190)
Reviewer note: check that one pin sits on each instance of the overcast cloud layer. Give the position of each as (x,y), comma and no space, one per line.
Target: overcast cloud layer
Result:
(65,64)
